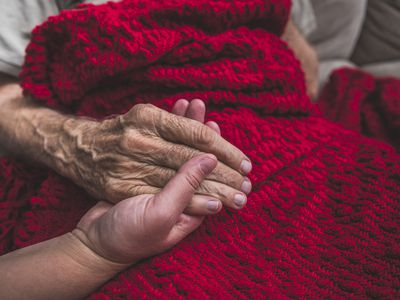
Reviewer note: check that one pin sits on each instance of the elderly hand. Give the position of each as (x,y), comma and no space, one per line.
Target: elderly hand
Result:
(140,151)
(107,240)
(146,225)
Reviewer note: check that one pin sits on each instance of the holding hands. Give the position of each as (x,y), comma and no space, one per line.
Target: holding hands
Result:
(157,163)
(149,224)
(146,225)
(139,153)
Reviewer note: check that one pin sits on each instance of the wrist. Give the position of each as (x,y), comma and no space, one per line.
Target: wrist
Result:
(86,260)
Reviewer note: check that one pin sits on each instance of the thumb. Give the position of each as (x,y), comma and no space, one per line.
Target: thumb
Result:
(176,195)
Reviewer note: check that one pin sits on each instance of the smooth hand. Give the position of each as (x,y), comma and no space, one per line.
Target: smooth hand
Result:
(146,225)
(139,152)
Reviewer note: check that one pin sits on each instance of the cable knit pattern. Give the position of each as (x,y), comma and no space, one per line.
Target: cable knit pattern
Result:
(323,220)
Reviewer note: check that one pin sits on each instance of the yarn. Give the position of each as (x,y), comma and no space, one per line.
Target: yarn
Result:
(323,218)
(363,103)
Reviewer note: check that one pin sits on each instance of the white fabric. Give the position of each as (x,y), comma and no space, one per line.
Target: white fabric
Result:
(328,66)
(384,69)
(339,24)
(303,16)
(17,19)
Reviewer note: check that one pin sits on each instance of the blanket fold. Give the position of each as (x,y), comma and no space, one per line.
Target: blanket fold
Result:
(360,102)
(171,48)
(323,219)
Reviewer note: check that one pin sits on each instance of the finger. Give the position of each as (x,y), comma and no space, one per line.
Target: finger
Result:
(118,190)
(202,205)
(180,107)
(158,176)
(176,195)
(196,110)
(228,196)
(214,126)
(203,138)
(173,156)
(211,189)
(182,130)
(186,224)
(152,178)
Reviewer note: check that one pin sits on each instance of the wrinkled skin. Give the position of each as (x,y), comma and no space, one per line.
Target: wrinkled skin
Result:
(139,152)
(145,225)
(126,155)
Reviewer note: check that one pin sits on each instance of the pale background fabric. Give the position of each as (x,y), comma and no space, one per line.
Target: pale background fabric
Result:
(17,19)
(339,24)
(303,16)
(332,26)
(354,33)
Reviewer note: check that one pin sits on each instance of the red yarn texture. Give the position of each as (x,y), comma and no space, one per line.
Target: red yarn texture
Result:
(323,220)
(363,103)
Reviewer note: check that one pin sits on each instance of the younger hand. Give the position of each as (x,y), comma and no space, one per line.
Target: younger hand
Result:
(146,225)
(139,152)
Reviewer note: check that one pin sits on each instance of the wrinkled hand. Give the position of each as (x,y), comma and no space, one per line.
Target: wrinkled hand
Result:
(139,152)
(146,225)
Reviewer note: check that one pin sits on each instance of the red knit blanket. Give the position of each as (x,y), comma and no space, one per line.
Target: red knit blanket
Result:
(323,220)
(363,103)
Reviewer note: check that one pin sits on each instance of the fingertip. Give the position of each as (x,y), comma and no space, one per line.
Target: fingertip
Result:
(198,102)
(180,107)
(214,126)
(208,162)
(246,186)
(196,110)
(182,102)
(214,206)
(202,205)
(246,166)
(240,200)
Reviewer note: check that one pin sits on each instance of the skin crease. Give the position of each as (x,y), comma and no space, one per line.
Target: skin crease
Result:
(120,147)
(175,204)
(110,238)
(107,240)
(83,150)
(104,230)
(131,154)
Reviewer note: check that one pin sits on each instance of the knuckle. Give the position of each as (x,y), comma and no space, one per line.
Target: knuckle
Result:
(216,191)
(140,111)
(158,176)
(117,190)
(193,179)
(195,208)
(126,140)
(109,188)
(205,136)
(182,153)
(227,175)
(134,190)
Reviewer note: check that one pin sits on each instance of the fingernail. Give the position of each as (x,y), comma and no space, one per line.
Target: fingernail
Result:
(246,166)
(239,200)
(207,164)
(213,205)
(246,186)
